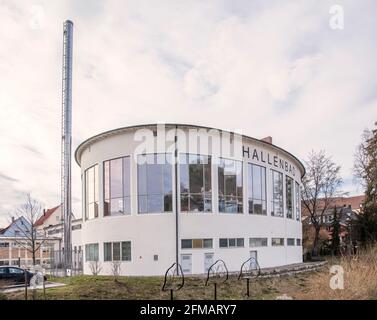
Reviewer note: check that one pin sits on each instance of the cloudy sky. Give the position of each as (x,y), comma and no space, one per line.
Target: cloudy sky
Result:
(265,67)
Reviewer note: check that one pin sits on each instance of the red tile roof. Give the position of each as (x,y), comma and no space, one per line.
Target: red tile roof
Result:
(45,216)
(354,202)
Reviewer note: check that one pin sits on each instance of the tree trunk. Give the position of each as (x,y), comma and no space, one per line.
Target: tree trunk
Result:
(316,242)
(33,251)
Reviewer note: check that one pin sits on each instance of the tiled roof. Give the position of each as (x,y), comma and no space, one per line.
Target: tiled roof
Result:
(45,216)
(355,203)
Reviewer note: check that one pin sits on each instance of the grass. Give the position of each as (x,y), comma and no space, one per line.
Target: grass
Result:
(360,282)
(104,287)
(360,279)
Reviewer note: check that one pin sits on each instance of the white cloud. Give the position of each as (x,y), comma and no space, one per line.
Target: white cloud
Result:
(266,67)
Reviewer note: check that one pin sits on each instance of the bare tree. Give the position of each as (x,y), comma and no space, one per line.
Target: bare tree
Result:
(30,238)
(115,269)
(95,267)
(321,185)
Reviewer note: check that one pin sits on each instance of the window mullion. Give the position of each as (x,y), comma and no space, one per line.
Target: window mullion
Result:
(122,181)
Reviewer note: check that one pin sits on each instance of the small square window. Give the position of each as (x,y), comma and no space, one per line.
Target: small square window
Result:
(197,243)
(290,242)
(155,257)
(223,243)
(240,242)
(207,243)
(186,243)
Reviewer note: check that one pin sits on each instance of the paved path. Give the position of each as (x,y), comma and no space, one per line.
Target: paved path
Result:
(21,287)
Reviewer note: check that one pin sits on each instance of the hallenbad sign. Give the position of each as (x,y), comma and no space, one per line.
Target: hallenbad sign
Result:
(266,158)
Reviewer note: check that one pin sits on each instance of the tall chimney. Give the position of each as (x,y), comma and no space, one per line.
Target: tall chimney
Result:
(66,192)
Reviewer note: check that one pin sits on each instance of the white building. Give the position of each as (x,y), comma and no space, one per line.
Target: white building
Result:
(51,225)
(213,204)
(15,248)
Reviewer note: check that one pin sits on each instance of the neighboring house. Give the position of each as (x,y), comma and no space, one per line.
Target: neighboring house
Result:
(348,209)
(17,228)
(49,218)
(49,231)
(14,249)
(51,224)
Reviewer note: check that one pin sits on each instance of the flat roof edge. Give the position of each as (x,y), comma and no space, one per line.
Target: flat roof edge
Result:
(83,145)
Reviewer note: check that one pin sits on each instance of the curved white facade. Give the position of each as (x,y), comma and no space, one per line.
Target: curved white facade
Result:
(193,230)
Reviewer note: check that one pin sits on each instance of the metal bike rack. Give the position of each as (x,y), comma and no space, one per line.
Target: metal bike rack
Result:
(218,273)
(249,270)
(171,284)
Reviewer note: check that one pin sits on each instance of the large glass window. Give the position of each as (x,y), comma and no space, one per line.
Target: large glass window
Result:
(154,172)
(117,179)
(91,252)
(195,183)
(230,186)
(289,193)
(257,189)
(277,194)
(91,192)
(298,201)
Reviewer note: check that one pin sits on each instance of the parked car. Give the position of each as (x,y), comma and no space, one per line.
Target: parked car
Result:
(10,275)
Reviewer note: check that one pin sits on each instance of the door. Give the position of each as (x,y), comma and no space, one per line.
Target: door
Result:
(186,263)
(208,261)
(16,275)
(4,275)
(253,262)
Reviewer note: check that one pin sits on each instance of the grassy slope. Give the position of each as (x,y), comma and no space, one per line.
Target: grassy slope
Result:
(360,282)
(104,287)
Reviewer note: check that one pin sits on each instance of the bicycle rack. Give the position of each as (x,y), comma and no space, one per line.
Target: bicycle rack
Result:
(170,281)
(219,273)
(249,272)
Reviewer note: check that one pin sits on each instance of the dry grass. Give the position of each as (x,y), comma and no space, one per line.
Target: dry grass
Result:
(104,287)
(360,282)
(360,279)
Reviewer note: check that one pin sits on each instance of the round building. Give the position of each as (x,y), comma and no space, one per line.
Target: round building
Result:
(158,194)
